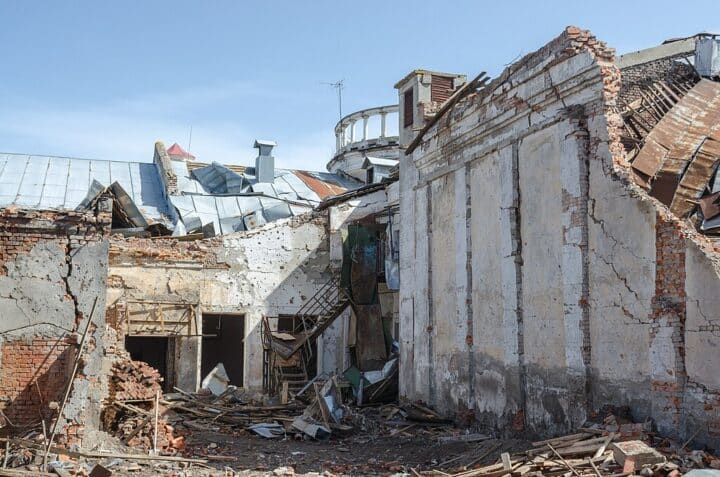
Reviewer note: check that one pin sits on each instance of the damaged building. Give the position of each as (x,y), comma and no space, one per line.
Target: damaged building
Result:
(515,253)
(198,269)
(552,255)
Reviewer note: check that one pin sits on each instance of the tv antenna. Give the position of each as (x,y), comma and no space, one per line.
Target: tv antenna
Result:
(338,85)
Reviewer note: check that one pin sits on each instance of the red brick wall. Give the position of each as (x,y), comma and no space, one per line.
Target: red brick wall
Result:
(33,373)
(669,310)
(21,230)
(35,369)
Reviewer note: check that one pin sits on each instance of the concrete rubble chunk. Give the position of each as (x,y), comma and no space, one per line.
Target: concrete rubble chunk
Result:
(633,455)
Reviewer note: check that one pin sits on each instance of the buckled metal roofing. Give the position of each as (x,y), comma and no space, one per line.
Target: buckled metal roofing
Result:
(681,154)
(232,199)
(227,198)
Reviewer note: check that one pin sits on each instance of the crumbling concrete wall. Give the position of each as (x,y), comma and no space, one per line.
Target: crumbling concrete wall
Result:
(269,271)
(53,266)
(538,283)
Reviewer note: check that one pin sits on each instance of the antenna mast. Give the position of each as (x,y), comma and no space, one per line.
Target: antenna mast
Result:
(338,85)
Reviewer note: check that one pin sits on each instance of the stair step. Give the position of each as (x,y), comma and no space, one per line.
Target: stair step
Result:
(287,377)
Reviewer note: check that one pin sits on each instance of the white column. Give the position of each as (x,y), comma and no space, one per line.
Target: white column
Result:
(352,131)
(365,128)
(383,127)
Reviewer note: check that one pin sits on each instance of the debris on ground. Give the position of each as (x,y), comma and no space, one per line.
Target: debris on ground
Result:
(616,446)
(323,430)
(130,413)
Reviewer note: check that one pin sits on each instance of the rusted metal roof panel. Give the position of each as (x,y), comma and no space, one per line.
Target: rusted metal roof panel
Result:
(709,206)
(681,153)
(322,188)
(695,181)
(650,158)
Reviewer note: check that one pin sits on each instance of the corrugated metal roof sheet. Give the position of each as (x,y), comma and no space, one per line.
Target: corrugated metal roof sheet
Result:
(228,197)
(682,151)
(322,186)
(46,182)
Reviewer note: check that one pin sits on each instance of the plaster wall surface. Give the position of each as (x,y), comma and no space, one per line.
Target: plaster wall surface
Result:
(580,296)
(701,395)
(53,266)
(494,333)
(270,271)
(622,257)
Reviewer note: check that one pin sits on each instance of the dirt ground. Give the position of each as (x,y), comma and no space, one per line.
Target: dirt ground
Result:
(355,454)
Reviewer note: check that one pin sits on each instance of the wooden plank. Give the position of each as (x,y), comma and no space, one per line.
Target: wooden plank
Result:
(604,445)
(285,393)
(477,82)
(555,440)
(76,365)
(24,473)
(564,461)
(100,455)
(321,404)
(506,462)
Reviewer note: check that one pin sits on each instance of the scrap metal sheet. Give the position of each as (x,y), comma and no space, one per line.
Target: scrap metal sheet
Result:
(681,153)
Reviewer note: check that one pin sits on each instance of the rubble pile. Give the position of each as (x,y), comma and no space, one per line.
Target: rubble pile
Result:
(134,380)
(136,428)
(610,445)
(104,455)
(229,410)
(615,446)
(130,413)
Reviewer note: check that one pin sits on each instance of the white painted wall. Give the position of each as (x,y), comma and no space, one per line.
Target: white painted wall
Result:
(563,256)
(269,271)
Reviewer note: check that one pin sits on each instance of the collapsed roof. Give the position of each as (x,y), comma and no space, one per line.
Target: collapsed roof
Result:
(673,137)
(210,198)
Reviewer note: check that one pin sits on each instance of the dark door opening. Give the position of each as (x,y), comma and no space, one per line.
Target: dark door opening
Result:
(222,342)
(153,350)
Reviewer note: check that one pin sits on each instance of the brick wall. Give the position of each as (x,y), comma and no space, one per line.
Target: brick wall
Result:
(667,328)
(49,277)
(34,373)
(164,165)
(21,230)
(634,77)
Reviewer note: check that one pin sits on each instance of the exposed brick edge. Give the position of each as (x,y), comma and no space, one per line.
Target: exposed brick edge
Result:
(163,162)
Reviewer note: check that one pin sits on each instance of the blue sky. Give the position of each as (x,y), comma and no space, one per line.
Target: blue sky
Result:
(106,79)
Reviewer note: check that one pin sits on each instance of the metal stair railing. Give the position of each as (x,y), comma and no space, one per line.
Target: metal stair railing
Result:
(314,316)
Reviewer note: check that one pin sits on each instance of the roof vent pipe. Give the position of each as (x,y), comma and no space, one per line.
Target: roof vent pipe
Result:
(265,162)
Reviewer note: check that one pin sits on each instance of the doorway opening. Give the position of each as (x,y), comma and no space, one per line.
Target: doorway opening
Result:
(291,324)
(223,342)
(156,351)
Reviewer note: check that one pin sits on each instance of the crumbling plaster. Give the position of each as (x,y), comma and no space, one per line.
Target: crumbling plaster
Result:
(269,271)
(529,261)
(47,292)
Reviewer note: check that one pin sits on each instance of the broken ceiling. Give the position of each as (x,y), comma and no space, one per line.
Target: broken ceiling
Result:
(677,160)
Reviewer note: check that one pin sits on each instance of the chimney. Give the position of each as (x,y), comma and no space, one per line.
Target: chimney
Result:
(264,162)
(707,55)
(421,93)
